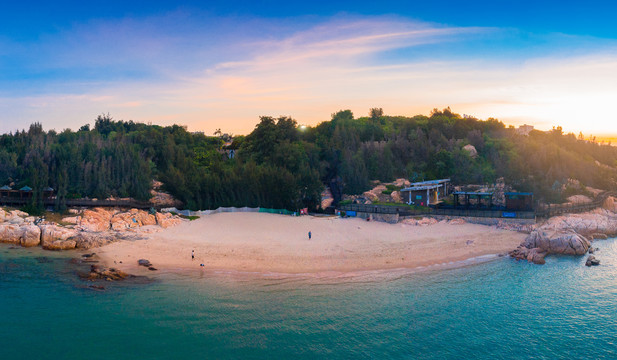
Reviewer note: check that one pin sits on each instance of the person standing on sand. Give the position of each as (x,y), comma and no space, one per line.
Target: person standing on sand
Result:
(309,235)
(192,254)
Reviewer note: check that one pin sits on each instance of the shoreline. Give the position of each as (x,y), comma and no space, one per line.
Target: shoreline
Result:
(260,243)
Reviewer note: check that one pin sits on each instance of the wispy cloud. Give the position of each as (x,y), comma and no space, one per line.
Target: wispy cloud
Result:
(225,77)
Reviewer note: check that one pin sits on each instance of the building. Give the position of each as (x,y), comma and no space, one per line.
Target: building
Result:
(425,193)
(524,129)
(519,201)
(474,200)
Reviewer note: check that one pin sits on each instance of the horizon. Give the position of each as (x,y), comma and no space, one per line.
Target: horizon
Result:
(224,65)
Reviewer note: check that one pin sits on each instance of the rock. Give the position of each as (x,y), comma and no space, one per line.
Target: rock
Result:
(3,215)
(610,204)
(569,243)
(536,256)
(19,213)
(144,262)
(592,261)
(54,237)
(100,273)
(457,222)
(471,150)
(89,240)
(152,268)
(97,219)
(26,235)
(396,196)
(166,220)
(31,236)
(16,220)
(593,250)
(30,219)
(75,220)
(595,236)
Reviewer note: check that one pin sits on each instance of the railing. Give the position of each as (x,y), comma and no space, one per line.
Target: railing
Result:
(548,210)
(462,212)
(84,202)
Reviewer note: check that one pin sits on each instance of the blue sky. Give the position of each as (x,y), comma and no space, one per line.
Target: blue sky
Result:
(223,64)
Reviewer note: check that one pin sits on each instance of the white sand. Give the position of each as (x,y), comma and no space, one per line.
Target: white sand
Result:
(258,242)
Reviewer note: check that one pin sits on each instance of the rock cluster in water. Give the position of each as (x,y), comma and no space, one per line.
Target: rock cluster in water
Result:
(92,228)
(569,234)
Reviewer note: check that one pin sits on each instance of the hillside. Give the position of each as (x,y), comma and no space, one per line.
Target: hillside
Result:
(283,165)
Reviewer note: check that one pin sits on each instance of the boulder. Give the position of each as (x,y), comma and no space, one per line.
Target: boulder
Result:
(54,237)
(610,204)
(16,220)
(31,236)
(19,213)
(144,262)
(471,150)
(396,196)
(89,240)
(26,235)
(97,219)
(3,215)
(569,243)
(166,220)
(536,256)
(10,233)
(592,261)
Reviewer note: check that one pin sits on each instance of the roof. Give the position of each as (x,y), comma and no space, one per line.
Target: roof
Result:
(5,187)
(418,188)
(518,193)
(430,182)
(49,188)
(473,193)
(26,188)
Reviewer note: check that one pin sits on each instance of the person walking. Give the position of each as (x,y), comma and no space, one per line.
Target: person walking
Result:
(192,254)
(309,235)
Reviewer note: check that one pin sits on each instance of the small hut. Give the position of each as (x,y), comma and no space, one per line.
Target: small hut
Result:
(25,192)
(5,191)
(475,200)
(48,192)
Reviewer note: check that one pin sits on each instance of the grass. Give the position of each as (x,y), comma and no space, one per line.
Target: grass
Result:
(188,217)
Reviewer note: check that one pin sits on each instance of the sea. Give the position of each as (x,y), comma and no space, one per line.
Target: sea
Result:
(498,309)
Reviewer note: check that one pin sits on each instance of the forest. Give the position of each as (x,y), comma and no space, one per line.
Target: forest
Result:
(283,165)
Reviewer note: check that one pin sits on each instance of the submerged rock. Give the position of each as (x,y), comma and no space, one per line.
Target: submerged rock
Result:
(592,261)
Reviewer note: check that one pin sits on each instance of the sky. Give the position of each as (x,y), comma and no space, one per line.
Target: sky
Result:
(211,65)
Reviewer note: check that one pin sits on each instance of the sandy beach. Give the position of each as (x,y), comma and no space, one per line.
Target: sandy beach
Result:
(257,242)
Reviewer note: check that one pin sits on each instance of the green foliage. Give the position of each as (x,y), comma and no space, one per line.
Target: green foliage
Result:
(279,165)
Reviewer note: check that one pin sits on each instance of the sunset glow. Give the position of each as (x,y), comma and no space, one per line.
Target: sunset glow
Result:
(210,68)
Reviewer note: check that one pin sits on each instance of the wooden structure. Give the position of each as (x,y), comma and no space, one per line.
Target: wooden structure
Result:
(476,200)
(425,193)
(519,201)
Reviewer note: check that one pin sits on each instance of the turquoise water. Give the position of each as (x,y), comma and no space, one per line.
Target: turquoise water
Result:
(495,310)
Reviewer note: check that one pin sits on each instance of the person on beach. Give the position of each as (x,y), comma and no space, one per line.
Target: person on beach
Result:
(309,235)
(192,254)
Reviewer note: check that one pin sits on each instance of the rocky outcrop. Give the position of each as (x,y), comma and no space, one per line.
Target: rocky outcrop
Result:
(131,219)
(166,220)
(538,244)
(54,237)
(610,204)
(599,221)
(102,273)
(97,219)
(569,243)
(25,235)
(94,228)
(31,236)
